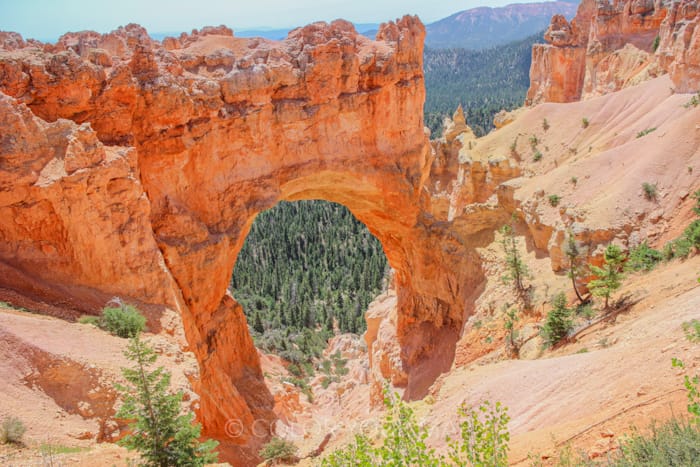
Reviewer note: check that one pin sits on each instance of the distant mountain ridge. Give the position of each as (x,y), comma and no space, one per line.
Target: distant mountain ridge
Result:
(475,29)
(484,27)
(276,34)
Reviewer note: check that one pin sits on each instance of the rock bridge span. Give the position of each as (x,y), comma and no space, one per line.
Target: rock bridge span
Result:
(135,168)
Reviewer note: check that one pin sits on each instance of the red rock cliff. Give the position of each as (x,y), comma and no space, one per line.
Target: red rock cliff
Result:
(608,46)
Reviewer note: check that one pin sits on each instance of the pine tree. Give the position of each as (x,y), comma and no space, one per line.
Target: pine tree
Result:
(512,345)
(558,322)
(517,269)
(609,277)
(258,325)
(572,252)
(163,437)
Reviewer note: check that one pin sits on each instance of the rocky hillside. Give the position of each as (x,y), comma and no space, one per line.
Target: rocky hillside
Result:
(485,27)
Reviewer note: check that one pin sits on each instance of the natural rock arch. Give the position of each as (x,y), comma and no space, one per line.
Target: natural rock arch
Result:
(136,169)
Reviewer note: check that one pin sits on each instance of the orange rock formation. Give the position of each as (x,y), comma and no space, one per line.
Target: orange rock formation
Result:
(135,168)
(609,46)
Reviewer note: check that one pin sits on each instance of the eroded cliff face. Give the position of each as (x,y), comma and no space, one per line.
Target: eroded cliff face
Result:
(609,46)
(135,168)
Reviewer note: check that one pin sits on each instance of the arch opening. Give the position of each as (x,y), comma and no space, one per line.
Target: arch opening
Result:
(307,265)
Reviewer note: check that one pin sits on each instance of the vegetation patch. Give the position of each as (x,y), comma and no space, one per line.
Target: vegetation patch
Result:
(649,190)
(559,321)
(554,200)
(693,102)
(643,258)
(159,431)
(609,277)
(645,132)
(307,270)
(483,440)
(12,430)
(689,240)
(279,450)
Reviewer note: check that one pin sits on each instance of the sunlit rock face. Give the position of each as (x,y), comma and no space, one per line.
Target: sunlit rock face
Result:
(608,46)
(135,168)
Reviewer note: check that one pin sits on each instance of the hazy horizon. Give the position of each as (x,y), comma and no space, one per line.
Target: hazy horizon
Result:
(174,16)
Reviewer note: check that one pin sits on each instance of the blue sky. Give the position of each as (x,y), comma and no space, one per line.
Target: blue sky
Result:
(48,19)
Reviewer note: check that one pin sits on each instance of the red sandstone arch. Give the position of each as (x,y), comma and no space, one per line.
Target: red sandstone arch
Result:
(168,152)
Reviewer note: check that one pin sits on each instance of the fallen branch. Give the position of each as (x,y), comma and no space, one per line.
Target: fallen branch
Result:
(622,306)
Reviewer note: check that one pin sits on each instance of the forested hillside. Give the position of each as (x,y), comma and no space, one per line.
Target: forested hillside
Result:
(482,81)
(308,264)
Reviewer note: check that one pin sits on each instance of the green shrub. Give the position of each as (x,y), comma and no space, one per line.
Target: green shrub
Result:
(326,381)
(545,125)
(537,157)
(693,102)
(279,449)
(554,200)
(678,248)
(48,449)
(586,311)
(673,443)
(514,147)
(12,430)
(585,123)
(645,132)
(326,367)
(295,370)
(692,233)
(484,440)
(534,141)
(485,436)
(88,319)
(559,322)
(681,247)
(691,329)
(339,364)
(655,44)
(643,258)
(123,320)
(649,190)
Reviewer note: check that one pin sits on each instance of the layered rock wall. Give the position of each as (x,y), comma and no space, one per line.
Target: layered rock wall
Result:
(609,46)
